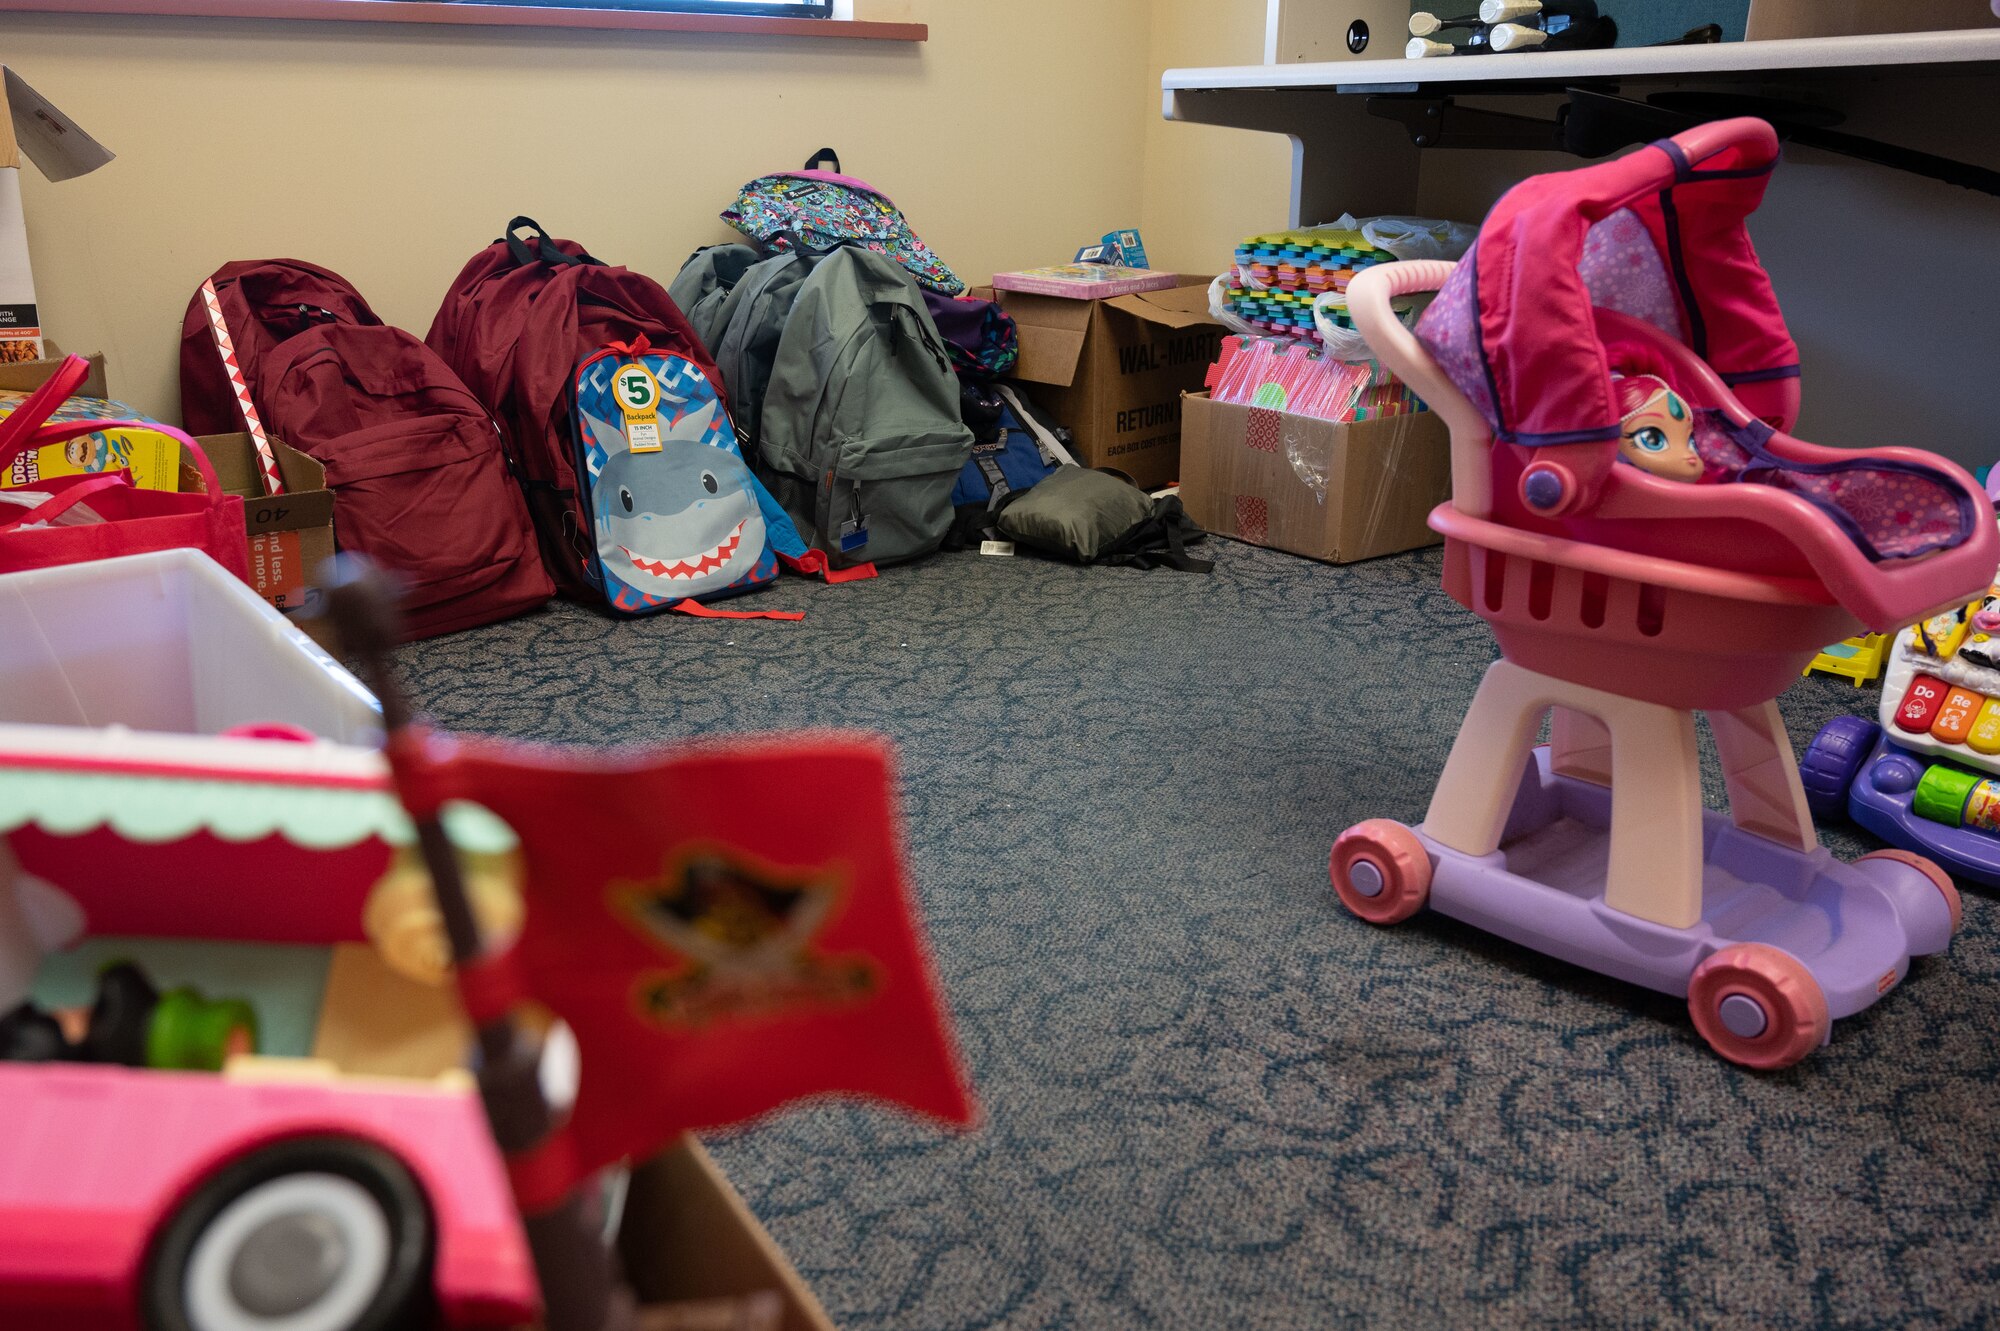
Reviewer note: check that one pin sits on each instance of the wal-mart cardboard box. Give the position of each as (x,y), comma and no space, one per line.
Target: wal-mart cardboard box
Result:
(1113,370)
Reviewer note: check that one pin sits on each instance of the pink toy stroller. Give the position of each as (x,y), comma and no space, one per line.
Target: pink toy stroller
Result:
(1624,602)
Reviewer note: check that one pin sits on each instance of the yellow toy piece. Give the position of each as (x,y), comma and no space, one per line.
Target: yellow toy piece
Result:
(1940,635)
(401,916)
(1861,659)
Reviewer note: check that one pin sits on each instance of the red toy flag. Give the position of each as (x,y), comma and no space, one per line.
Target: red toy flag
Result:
(725,927)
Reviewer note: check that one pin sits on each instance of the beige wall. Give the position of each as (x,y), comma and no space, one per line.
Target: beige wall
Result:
(1207,187)
(391,152)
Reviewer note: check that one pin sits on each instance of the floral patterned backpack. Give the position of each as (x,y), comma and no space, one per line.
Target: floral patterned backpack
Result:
(820,210)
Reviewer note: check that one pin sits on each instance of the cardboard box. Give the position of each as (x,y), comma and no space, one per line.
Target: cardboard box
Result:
(28,375)
(1251,473)
(1771,19)
(686,1234)
(290,534)
(60,150)
(1113,370)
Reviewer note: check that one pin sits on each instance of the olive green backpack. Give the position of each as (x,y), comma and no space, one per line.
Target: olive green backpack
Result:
(859,435)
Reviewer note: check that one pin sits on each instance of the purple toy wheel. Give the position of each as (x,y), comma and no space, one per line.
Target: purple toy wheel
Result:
(1758,1006)
(1833,759)
(1381,871)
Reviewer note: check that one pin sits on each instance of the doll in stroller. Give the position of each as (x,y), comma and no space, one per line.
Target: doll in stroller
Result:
(1607,317)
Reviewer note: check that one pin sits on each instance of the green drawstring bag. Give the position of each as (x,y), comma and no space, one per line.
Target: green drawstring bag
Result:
(1095,517)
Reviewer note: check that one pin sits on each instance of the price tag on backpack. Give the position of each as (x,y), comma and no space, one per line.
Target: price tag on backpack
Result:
(637,393)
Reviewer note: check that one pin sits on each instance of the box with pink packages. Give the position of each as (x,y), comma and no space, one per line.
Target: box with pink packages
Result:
(1286,375)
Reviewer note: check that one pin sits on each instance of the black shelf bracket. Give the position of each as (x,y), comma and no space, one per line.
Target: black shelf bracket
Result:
(1595,124)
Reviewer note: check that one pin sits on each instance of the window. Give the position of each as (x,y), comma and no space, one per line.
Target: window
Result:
(789,18)
(748,8)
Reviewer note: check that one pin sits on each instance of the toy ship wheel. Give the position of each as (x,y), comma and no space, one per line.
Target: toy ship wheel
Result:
(1758,1006)
(1380,871)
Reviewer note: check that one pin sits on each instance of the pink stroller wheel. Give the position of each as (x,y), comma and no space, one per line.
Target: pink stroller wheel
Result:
(1381,871)
(1939,878)
(1758,1006)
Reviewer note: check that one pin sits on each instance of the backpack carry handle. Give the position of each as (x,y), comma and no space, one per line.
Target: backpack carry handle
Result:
(544,251)
(823,155)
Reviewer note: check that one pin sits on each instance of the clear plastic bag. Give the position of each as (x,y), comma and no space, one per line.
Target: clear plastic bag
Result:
(1218,305)
(1419,237)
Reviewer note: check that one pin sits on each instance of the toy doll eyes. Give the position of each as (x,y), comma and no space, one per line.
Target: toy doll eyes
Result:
(625,498)
(1651,439)
(708,482)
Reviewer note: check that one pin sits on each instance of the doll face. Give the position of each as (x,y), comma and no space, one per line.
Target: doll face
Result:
(1657,436)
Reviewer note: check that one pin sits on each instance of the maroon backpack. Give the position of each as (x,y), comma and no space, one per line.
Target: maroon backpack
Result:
(514,325)
(418,472)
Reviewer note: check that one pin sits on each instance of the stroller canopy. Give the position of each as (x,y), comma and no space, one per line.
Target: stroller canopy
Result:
(1659,236)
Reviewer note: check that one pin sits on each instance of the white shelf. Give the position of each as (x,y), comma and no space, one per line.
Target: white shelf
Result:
(1957,51)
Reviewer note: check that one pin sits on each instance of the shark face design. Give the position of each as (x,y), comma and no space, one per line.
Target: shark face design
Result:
(679,522)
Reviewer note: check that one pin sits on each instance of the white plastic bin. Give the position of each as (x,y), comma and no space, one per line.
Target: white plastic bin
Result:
(166,641)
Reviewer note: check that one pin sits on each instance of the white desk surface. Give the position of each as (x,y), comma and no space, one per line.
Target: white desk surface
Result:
(1969,47)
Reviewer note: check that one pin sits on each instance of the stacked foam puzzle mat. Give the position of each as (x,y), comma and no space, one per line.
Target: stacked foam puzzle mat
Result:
(1287,270)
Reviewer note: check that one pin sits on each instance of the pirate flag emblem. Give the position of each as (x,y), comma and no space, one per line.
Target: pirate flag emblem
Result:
(744,934)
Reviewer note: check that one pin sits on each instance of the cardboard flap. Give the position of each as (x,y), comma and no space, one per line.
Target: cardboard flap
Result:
(28,375)
(56,144)
(1052,334)
(1050,357)
(1175,307)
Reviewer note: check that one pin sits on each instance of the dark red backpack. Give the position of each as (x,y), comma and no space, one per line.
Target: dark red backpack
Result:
(514,325)
(418,471)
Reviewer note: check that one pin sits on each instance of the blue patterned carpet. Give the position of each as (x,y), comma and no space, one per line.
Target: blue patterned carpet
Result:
(1214,1099)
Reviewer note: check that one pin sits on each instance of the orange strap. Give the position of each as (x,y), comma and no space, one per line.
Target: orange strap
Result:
(813,564)
(700,611)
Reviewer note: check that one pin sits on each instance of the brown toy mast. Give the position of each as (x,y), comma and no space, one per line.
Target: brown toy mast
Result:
(582,1289)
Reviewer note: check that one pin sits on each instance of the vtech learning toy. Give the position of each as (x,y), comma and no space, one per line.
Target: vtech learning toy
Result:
(1927,779)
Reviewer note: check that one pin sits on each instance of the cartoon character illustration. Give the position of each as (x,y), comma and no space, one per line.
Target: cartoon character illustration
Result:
(1982,642)
(746,933)
(680,522)
(1657,432)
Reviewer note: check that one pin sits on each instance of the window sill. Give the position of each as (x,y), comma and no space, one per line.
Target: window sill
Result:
(483,15)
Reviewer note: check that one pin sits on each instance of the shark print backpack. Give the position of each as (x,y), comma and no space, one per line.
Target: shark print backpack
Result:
(676,517)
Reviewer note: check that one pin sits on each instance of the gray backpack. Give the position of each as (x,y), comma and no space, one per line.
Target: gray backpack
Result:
(751,323)
(704,283)
(860,437)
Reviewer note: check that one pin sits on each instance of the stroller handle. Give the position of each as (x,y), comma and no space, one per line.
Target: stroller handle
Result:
(1368,304)
(1755,137)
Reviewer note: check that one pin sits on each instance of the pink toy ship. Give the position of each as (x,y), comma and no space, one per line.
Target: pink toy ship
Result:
(1624,602)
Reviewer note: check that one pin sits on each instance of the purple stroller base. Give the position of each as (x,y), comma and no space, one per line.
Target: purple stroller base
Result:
(1854,926)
